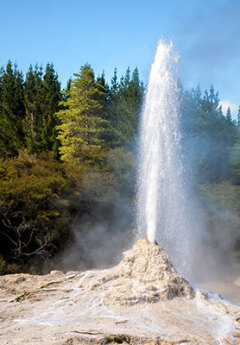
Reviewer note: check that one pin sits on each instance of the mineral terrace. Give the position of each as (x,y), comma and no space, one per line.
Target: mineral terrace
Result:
(143,300)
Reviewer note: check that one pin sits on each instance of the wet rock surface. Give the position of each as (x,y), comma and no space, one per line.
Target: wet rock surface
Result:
(143,300)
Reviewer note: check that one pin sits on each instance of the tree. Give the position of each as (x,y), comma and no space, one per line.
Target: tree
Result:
(131,97)
(238,118)
(108,134)
(125,106)
(228,115)
(52,97)
(82,124)
(42,96)
(32,221)
(114,85)
(235,160)
(11,111)
(208,135)
(122,165)
(33,101)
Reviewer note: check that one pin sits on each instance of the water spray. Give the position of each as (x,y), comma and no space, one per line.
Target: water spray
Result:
(162,199)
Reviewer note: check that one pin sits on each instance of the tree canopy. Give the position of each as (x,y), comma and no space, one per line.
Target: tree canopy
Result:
(82,124)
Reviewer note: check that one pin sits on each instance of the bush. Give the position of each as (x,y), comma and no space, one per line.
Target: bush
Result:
(32,222)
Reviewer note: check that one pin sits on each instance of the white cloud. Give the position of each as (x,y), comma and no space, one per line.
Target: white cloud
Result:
(228,104)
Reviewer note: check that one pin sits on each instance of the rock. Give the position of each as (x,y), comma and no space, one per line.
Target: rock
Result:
(145,274)
(142,300)
(56,272)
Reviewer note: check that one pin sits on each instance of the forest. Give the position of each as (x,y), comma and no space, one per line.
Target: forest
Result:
(69,156)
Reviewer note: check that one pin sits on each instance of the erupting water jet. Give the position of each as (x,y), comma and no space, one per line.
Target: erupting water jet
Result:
(162,198)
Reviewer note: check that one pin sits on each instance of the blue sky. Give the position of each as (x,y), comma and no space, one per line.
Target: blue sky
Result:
(109,33)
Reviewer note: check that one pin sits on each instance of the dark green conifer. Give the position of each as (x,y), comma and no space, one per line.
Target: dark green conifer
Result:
(42,96)
(238,118)
(11,111)
(228,115)
(52,97)
(33,100)
(126,101)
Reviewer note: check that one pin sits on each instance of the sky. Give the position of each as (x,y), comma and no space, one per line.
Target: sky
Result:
(122,33)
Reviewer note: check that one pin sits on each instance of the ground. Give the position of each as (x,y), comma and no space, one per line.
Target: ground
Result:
(143,300)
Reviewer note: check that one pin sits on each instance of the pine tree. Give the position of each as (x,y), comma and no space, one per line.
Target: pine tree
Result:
(52,97)
(114,85)
(11,111)
(33,100)
(69,82)
(82,124)
(238,118)
(208,135)
(126,100)
(235,160)
(104,94)
(135,94)
(104,99)
(228,115)
(42,96)
(113,112)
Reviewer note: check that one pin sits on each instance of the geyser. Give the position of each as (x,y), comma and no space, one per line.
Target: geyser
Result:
(162,200)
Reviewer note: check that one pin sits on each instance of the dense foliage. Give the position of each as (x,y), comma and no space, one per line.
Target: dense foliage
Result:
(66,153)
(62,154)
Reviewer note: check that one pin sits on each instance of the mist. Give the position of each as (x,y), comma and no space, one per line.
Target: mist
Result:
(107,227)
(104,220)
(208,140)
(99,237)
